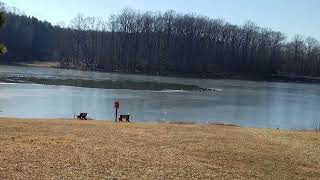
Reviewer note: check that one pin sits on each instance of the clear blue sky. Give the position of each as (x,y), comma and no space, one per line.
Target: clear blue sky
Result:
(288,16)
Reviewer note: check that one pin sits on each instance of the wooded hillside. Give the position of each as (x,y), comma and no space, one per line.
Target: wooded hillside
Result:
(164,43)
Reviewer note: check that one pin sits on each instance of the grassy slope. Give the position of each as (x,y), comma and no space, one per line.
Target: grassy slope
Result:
(78,149)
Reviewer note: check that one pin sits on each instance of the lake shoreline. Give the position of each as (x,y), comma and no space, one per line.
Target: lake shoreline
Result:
(64,148)
(280,77)
(173,122)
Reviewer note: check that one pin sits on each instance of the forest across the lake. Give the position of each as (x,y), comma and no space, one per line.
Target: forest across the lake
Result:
(166,43)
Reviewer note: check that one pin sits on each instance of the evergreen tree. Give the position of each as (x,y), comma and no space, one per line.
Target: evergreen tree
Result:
(3,49)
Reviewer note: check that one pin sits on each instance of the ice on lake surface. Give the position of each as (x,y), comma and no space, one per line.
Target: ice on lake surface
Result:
(245,103)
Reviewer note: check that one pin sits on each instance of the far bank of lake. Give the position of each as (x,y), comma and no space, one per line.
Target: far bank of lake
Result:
(278,77)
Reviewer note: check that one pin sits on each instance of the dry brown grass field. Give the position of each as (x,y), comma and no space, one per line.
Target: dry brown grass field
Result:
(67,149)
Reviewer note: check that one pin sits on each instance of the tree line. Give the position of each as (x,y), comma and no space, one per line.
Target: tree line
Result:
(162,43)
(3,49)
